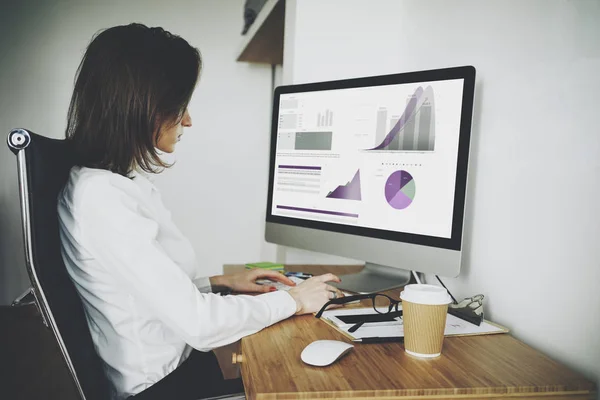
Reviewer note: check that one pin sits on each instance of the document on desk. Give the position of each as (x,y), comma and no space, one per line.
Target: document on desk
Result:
(454,326)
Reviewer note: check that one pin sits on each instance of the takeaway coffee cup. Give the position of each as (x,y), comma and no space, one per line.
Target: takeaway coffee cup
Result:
(424,310)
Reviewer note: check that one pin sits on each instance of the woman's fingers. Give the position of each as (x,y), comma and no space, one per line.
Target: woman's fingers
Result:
(312,294)
(327,278)
(275,276)
(333,292)
(256,288)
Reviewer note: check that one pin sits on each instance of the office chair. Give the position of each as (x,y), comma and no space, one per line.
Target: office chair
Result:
(43,169)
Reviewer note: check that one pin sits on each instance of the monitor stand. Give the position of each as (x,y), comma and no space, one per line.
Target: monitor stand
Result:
(374,278)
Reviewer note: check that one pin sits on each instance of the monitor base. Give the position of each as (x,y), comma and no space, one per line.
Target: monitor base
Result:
(374,278)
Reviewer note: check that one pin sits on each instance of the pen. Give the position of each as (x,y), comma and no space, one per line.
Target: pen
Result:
(390,339)
(301,275)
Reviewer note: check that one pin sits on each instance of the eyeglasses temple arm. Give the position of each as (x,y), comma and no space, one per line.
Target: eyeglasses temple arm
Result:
(343,300)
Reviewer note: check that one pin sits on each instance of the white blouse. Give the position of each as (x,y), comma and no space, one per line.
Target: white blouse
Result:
(145,299)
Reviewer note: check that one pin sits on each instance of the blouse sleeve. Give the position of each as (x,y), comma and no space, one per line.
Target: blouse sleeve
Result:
(123,239)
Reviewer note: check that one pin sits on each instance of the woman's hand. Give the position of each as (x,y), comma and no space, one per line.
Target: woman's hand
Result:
(313,293)
(246,281)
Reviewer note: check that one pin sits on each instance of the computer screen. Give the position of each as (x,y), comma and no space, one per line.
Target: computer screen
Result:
(382,157)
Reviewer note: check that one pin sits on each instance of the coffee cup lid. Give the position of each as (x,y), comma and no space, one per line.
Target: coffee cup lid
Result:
(425,294)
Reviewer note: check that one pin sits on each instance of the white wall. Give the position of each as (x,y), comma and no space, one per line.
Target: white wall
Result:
(217,189)
(533,220)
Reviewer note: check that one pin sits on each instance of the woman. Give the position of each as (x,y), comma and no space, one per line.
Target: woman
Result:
(151,313)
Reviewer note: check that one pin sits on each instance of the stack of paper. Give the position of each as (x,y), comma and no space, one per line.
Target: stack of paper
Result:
(454,325)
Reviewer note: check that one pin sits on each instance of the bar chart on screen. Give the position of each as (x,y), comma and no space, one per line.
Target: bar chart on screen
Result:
(414,130)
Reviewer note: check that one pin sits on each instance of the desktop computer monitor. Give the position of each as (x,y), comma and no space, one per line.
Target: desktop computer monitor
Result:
(373,169)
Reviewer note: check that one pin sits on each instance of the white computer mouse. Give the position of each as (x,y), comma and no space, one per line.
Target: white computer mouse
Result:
(324,352)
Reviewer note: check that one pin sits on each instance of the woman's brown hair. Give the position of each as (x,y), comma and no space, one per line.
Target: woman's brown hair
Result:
(131,81)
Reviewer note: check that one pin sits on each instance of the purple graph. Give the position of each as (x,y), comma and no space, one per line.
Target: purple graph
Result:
(414,130)
(349,191)
(400,190)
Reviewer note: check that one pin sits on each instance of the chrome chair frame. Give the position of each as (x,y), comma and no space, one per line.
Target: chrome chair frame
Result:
(18,140)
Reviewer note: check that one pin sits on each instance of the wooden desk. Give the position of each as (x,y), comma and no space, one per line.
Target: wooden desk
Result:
(491,366)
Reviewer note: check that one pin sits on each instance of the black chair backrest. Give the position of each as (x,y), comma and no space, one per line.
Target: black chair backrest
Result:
(44,166)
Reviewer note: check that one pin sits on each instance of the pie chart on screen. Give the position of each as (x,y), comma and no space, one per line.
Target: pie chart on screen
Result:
(400,189)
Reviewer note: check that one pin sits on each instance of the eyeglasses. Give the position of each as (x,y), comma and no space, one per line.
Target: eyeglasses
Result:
(382,304)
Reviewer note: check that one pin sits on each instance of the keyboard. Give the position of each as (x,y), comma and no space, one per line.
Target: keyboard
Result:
(279,285)
(296,280)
